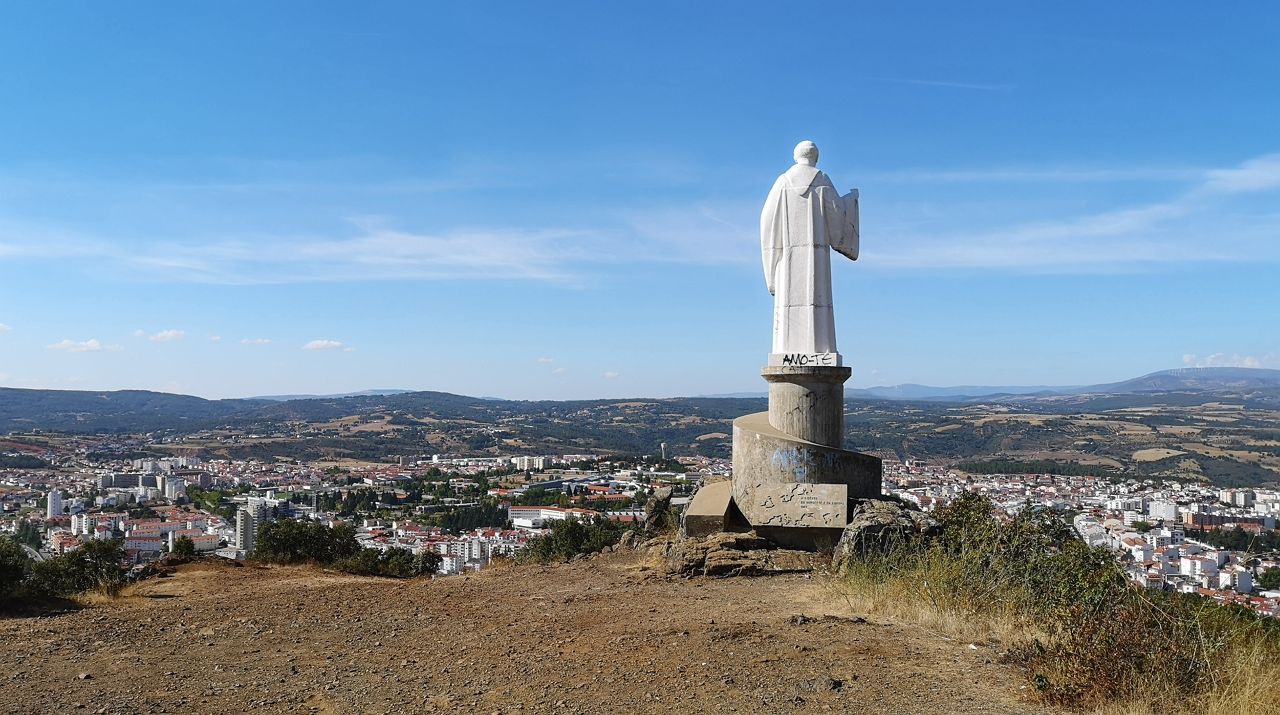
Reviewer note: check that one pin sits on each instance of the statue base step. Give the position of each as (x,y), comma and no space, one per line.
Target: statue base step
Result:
(780,481)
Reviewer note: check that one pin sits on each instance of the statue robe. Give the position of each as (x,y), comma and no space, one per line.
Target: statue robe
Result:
(803,218)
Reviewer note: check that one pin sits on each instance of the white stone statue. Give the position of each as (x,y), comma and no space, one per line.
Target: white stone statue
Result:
(803,218)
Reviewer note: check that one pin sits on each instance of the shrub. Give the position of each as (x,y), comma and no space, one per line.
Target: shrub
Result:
(1087,636)
(184,548)
(15,567)
(96,566)
(569,537)
(392,563)
(285,541)
(295,542)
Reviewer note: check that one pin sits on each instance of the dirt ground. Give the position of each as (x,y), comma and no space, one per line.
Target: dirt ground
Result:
(596,636)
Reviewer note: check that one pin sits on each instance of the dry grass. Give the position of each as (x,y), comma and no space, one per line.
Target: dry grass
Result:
(1155,454)
(1085,638)
(906,601)
(1247,682)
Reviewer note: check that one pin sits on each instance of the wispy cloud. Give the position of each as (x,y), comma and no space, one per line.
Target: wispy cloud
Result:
(1232,360)
(1218,218)
(215,338)
(326,345)
(255,341)
(4,328)
(611,375)
(1207,215)
(92,345)
(378,253)
(1258,174)
(545,360)
(167,336)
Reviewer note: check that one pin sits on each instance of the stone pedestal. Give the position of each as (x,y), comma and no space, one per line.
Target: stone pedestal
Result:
(808,402)
(792,479)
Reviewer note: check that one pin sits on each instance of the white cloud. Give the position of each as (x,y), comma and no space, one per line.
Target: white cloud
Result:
(255,341)
(610,375)
(4,328)
(1259,174)
(378,253)
(1209,214)
(92,345)
(545,360)
(215,338)
(325,345)
(558,371)
(1216,219)
(167,336)
(1225,360)
(139,333)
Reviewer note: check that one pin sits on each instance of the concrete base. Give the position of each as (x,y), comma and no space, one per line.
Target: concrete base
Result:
(769,464)
(807,403)
(710,510)
(816,539)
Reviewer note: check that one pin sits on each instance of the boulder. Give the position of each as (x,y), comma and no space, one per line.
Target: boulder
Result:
(628,541)
(878,526)
(656,509)
(723,555)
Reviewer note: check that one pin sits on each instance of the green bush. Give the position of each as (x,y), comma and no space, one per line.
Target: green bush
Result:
(392,563)
(569,537)
(96,566)
(285,541)
(184,548)
(295,542)
(15,567)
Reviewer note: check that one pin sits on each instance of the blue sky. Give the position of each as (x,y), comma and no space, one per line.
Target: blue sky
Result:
(538,200)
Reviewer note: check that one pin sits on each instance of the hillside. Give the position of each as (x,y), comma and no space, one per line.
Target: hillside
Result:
(1227,435)
(111,411)
(603,635)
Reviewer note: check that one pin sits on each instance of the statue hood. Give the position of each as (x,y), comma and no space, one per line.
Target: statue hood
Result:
(801,177)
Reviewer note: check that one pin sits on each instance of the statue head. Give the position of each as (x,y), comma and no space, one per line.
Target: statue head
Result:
(806,153)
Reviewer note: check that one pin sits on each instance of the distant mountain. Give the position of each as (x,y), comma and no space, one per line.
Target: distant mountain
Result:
(1195,378)
(926,392)
(115,411)
(144,411)
(362,393)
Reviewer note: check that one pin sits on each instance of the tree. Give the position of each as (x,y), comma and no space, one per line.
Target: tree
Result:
(28,534)
(95,566)
(392,563)
(1269,580)
(184,548)
(292,542)
(15,566)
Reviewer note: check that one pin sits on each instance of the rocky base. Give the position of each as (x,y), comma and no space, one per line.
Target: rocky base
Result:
(879,526)
(722,555)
